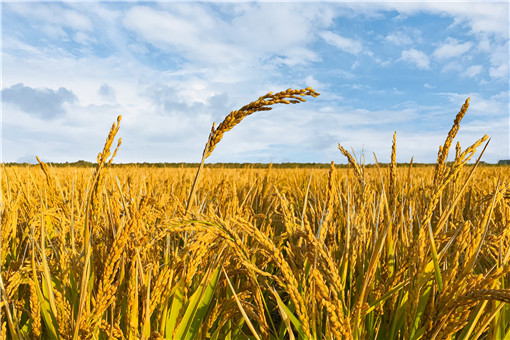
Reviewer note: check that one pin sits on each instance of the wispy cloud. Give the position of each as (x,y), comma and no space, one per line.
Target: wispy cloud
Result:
(499,59)
(416,57)
(452,48)
(473,71)
(477,17)
(255,34)
(399,38)
(342,43)
(53,15)
(453,66)
(500,71)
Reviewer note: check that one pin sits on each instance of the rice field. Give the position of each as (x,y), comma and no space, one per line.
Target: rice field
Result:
(380,252)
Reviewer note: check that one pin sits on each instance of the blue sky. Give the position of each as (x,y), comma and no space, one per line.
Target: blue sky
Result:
(172,69)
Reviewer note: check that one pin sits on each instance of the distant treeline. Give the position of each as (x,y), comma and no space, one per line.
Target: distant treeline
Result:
(85,164)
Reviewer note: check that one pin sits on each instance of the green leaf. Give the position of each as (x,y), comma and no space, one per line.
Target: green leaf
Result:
(507,335)
(173,314)
(295,321)
(386,296)
(437,271)
(417,332)
(197,307)
(49,318)
(398,315)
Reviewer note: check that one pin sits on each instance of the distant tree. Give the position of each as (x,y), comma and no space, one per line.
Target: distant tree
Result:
(83,164)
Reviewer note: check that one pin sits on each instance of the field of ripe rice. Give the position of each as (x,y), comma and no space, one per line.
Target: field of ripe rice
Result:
(389,252)
(268,253)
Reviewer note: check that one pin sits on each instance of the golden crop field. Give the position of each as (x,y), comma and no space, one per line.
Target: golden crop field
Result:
(381,252)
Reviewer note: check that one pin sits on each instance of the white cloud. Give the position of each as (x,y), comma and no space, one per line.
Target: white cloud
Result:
(491,18)
(55,32)
(399,38)
(416,57)
(342,43)
(295,56)
(484,43)
(488,17)
(84,39)
(452,48)
(480,106)
(256,33)
(453,66)
(165,29)
(54,14)
(499,60)
(473,71)
(314,83)
(500,71)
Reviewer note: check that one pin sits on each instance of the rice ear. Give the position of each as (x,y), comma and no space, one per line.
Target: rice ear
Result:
(235,117)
